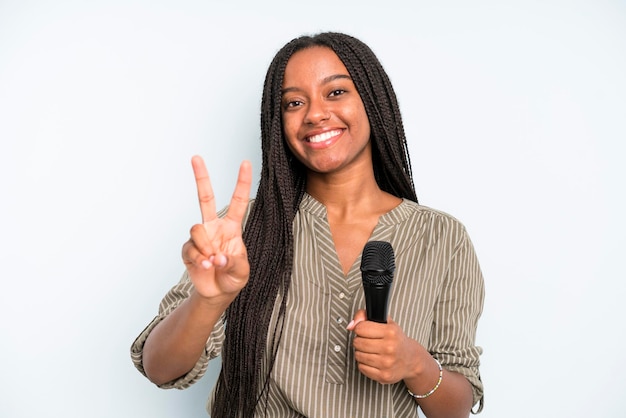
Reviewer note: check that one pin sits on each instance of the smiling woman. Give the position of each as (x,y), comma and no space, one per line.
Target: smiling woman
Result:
(325,123)
(514,115)
(282,270)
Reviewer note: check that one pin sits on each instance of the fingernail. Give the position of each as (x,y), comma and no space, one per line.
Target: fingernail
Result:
(350,324)
(221,260)
(206,264)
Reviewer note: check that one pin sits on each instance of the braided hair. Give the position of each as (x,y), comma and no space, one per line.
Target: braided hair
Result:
(268,235)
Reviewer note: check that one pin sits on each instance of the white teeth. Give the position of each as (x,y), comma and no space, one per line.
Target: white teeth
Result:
(324,136)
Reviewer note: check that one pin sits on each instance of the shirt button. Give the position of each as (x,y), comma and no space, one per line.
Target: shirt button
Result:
(342,295)
(340,320)
(337,348)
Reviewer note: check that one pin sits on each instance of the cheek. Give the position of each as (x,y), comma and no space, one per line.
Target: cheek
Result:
(291,138)
(357,114)
(288,130)
(362,123)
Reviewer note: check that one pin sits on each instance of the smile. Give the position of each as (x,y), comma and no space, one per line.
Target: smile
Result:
(324,136)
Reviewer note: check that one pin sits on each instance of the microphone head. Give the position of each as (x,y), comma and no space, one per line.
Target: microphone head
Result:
(377,263)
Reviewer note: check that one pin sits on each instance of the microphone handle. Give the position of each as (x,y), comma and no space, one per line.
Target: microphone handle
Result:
(376,299)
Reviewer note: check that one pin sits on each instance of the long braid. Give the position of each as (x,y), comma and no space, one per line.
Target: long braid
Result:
(390,149)
(244,380)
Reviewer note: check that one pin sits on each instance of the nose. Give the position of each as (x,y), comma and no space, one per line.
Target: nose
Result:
(317,112)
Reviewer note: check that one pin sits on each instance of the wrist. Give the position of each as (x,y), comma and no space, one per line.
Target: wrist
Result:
(212,303)
(427,380)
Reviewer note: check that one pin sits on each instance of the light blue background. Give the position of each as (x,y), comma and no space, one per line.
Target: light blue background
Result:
(515,112)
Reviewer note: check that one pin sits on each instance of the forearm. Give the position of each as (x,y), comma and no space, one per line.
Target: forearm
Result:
(176,343)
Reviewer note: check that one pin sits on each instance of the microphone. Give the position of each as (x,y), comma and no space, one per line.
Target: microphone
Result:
(377,267)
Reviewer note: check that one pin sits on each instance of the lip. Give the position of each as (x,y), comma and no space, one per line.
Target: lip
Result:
(323,138)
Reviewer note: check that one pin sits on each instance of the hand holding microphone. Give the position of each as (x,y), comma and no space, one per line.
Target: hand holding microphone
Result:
(381,349)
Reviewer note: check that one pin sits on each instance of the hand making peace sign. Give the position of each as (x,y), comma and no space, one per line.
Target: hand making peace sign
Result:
(215,255)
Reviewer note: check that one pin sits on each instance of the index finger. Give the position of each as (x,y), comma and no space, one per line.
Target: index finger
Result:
(241,195)
(359,316)
(205,190)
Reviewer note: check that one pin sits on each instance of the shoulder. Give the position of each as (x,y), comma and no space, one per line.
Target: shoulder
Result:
(415,213)
(415,223)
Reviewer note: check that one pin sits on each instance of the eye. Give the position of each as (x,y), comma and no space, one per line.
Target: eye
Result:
(292,104)
(337,92)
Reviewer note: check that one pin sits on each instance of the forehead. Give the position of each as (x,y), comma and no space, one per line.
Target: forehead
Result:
(316,62)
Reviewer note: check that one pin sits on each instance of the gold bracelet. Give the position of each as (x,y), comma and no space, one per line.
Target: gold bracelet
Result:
(433,389)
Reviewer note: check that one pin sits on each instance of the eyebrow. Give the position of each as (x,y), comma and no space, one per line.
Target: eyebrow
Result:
(324,81)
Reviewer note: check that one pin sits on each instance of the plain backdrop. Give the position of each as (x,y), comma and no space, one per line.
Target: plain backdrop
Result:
(516,116)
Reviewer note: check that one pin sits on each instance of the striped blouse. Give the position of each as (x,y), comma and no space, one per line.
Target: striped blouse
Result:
(436,298)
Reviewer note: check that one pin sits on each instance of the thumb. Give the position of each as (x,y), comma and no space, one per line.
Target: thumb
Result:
(235,265)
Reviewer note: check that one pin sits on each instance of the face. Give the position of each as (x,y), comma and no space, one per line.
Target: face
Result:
(324,119)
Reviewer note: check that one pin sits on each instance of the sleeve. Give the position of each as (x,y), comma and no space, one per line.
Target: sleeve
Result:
(456,316)
(171,301)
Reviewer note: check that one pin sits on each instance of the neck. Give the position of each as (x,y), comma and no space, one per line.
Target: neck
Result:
(349,195)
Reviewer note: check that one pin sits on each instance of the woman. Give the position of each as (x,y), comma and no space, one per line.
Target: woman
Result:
(336,174)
